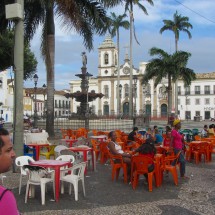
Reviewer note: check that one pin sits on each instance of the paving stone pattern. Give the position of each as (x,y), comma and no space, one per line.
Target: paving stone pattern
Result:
(190,197)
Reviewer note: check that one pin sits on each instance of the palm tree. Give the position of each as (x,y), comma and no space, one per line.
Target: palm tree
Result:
(170,66)
(129,4)
(117,22)
(86,17)
(179,23)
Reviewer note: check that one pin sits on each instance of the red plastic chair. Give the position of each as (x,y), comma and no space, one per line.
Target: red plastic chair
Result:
(117,163)
(166,165)
(104,152)
(139,166)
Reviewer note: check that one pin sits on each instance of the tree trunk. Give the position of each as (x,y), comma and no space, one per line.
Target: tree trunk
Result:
(176,82)
(131,65)
(50,64)
(118,75)
(169,96)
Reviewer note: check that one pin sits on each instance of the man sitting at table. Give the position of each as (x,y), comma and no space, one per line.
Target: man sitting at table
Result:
(132,136)
(7,201)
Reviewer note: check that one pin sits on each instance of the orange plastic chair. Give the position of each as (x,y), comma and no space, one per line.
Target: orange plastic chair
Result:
(139,166)
(104,152)
(166,165)
(96,148)
(197,137)
(201,149)
(117,163)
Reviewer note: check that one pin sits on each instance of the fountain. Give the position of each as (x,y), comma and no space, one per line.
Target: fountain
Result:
(83,96)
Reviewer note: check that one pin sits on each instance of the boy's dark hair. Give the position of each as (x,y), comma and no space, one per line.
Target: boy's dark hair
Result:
(135,129)
(155,126)
(205,126)
(3,132)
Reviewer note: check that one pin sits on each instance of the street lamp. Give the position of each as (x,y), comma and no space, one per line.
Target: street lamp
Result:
(35,99)
(44,95)
(135,98)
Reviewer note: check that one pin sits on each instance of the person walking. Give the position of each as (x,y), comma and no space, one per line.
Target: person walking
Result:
(8,204)
(177,143)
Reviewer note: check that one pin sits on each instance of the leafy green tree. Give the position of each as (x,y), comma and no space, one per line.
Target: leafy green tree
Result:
(86,17)
(172,66)
(6,54)
(179,23)
(117,22)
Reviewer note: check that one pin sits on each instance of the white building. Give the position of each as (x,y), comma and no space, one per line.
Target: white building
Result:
(196,100)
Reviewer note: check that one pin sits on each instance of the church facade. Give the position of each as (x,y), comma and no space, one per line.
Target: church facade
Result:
(196,100)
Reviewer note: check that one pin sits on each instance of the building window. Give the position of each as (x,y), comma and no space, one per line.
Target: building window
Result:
(187,101)
(214,89)
(197,102)
(197,90)
(126,90)
(66,104)
(197,113)
(55,103)
(59,103)
(106,91)
(187,90)
(106,58)
(106,72)
(63,104)
(207,90)
(188,114)
(120,93)
(179,90)
(207,101)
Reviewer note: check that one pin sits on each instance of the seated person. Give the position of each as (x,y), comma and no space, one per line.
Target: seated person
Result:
(158,138)
(211,130)
(149,134)
(116,149)
(148,149)
(132,135)
(167,139)
(205,132)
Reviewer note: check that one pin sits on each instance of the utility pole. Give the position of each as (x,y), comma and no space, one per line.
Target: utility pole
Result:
(16,13)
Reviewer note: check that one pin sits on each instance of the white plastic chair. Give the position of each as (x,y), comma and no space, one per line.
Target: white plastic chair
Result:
(68,158)
(58,149)
(20,162)
(38,175)
(76,174)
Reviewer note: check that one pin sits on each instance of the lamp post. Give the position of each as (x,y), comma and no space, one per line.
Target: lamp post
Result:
(120,96)
(135,98)
(44,96)
(35,99)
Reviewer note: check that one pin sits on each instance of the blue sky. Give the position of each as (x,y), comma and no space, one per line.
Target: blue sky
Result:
(69,45)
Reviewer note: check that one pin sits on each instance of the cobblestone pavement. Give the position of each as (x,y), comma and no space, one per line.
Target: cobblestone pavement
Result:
(190,197)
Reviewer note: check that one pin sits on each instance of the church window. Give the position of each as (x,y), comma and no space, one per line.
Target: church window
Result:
(106,72)
(126,90)
(106,58)
(106,91)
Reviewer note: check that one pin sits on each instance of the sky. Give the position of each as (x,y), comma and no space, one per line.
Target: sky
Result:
(69,45)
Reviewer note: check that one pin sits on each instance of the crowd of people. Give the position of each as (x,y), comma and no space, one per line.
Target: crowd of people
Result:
(173,139)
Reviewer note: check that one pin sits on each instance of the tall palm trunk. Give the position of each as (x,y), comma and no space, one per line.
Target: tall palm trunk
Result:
(118,75)
(176,82)
(169,95)
(50,61)
(131,63)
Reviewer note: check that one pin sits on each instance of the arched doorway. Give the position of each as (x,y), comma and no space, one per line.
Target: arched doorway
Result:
(163,110)
(126,108)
